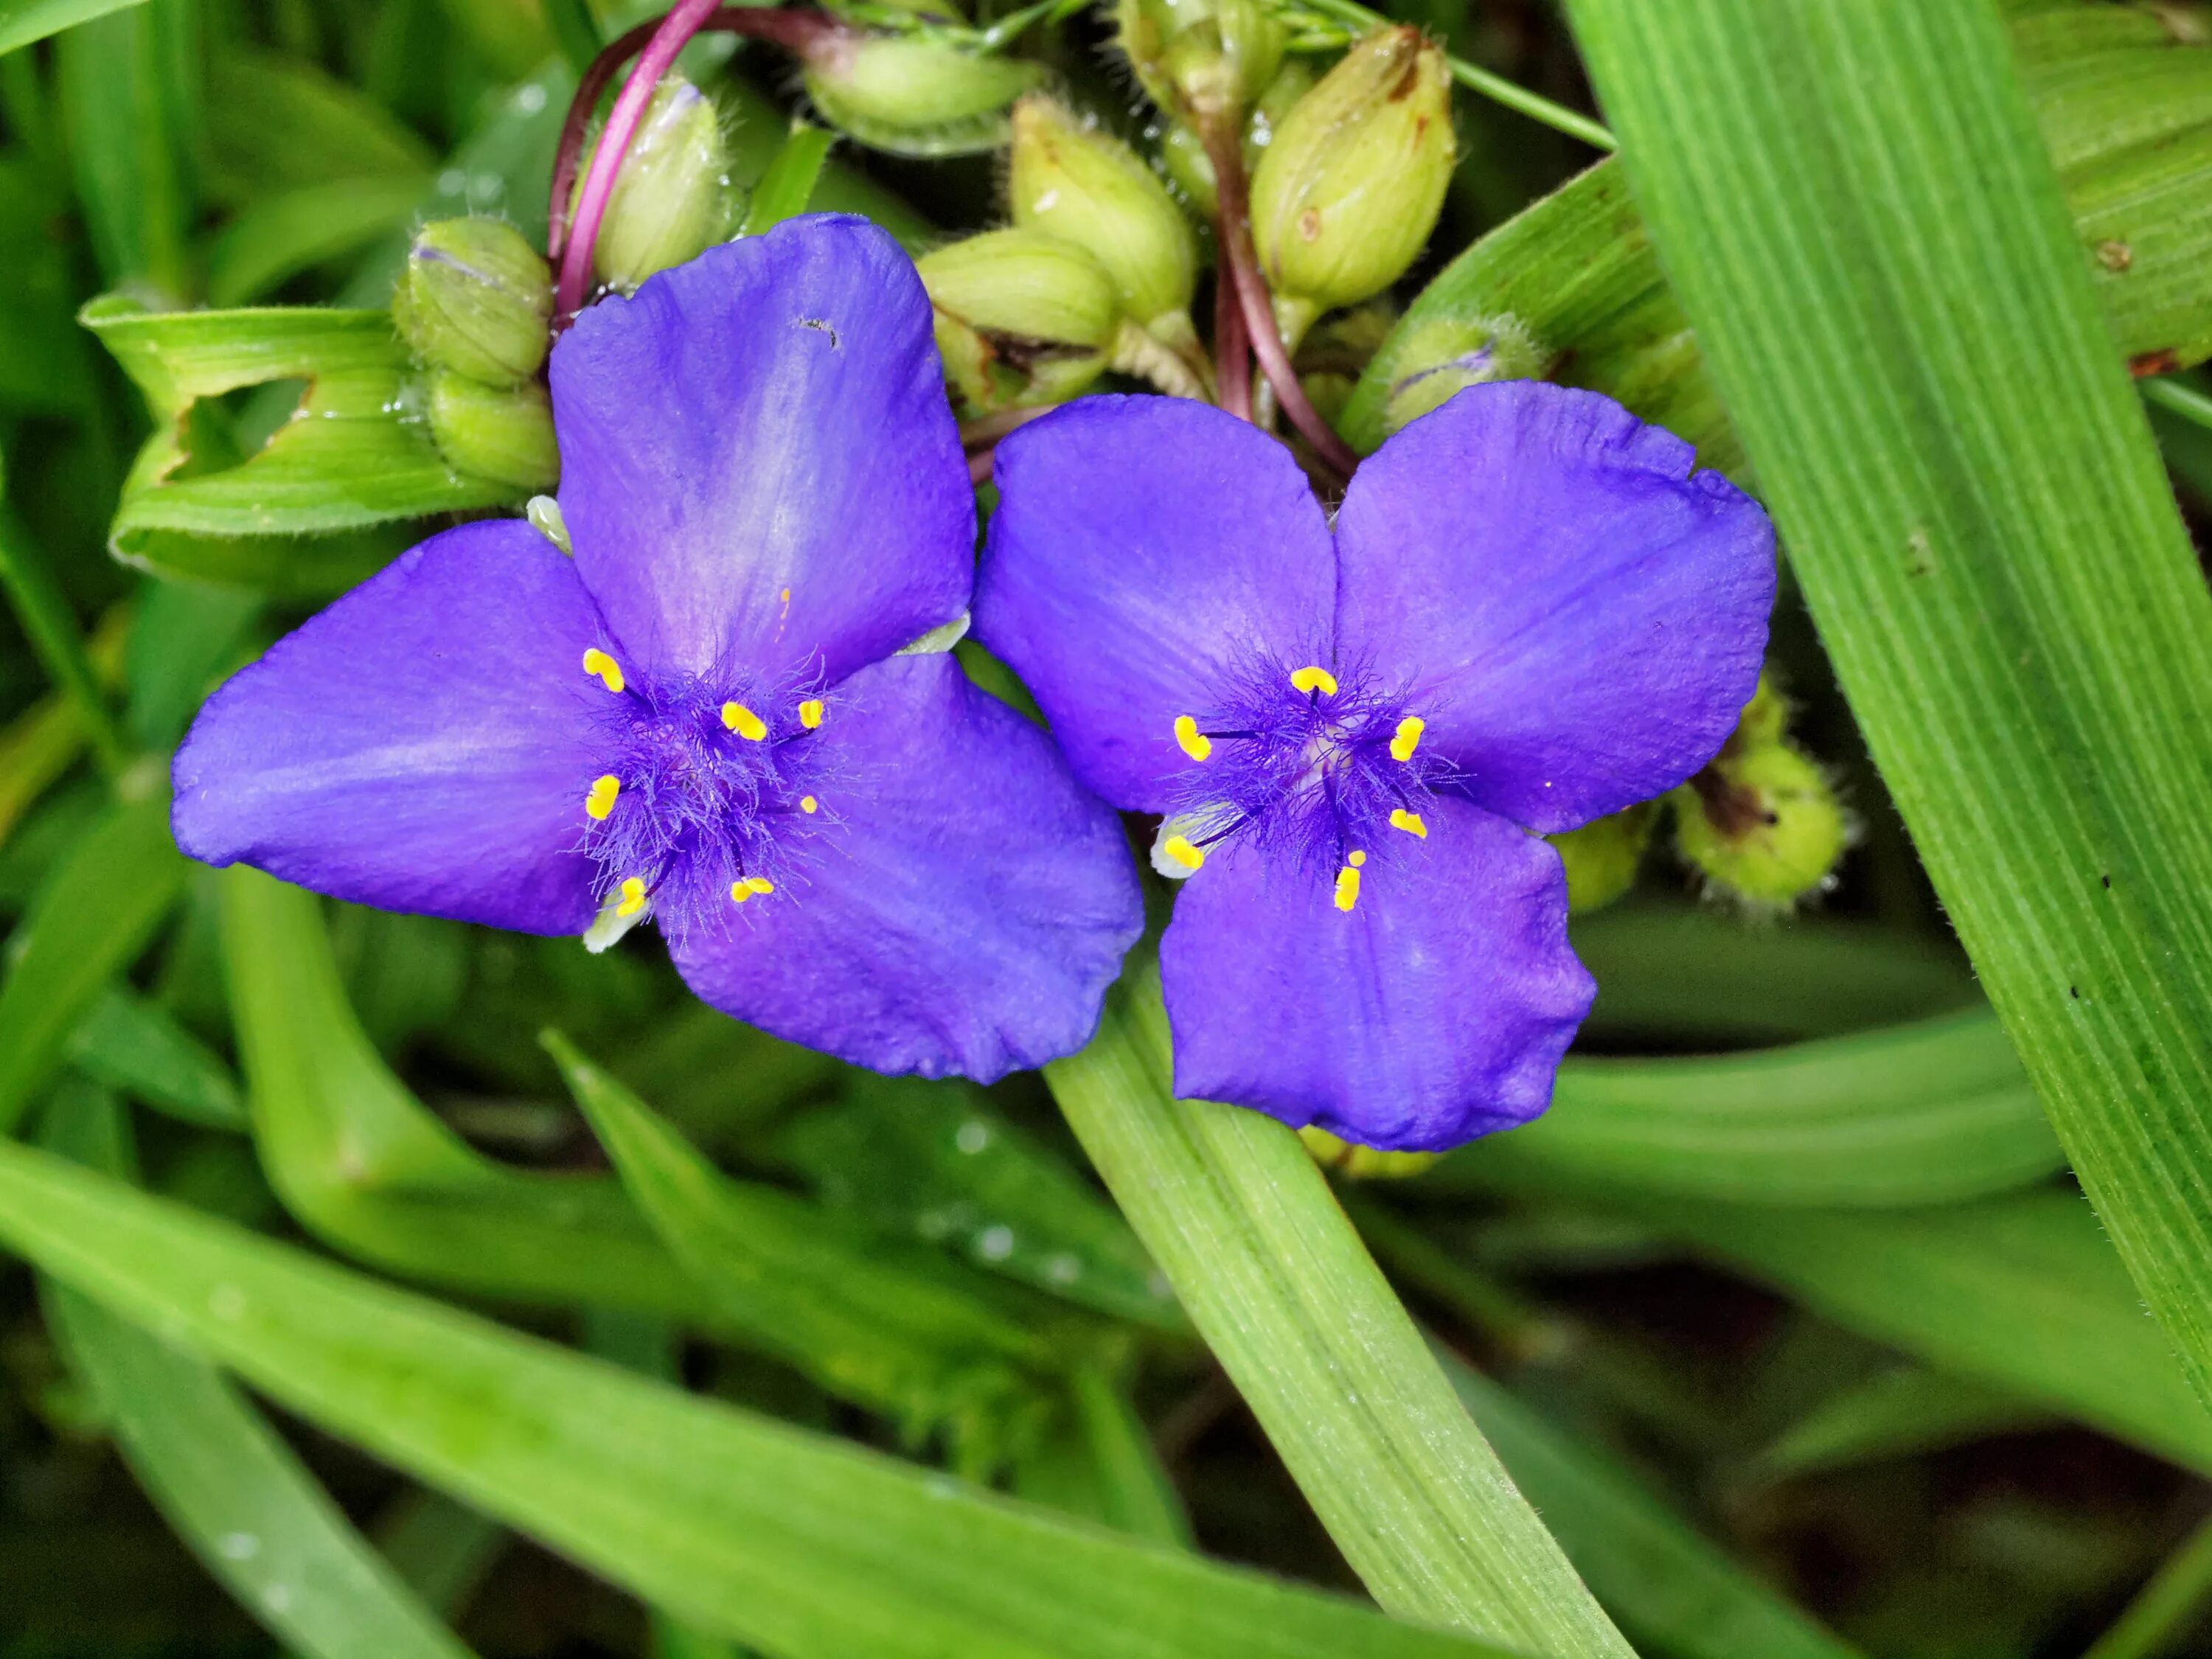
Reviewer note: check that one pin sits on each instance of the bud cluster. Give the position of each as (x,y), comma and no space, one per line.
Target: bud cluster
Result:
(475,301)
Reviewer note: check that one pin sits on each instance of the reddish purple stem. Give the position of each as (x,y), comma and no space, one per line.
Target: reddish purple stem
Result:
(1241,271)
(569,243)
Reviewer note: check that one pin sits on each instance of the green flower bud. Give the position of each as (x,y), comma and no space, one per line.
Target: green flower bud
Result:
(1203,59)
(1349,1158)
(1602,856)
(673,198)
(1023,318)
(1764,718)
(1763,825)
(501,433)
(1182,153)
(1447,355)
(1344,197)
(912,96)
(477,297)
(1067,177)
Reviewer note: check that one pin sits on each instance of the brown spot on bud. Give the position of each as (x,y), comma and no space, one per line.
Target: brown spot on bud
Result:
(1310,224)
(2115,256)
(2144,364)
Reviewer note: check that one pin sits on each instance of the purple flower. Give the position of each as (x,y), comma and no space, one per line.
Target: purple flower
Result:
(1529,613)
(701,714)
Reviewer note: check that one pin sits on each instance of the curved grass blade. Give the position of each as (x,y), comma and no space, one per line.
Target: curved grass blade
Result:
(23,21)
(1100,1462)
(93,914)
(231,1488)
(360,1162)
(136,1049)
(904,1331)
(1898,1413)
(1279,1285)
(807,1547)
(1856,210)
(1920,1114)
(789,184)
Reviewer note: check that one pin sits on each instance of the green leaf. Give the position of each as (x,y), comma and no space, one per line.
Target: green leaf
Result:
(1099,1462)
(1917,1115)
(361,1164)
(1857,211)
(809,1547)
(351,458)
(135,1048)
(22,21)
(94,913)
(904,1331)
(2126,111)
(129,101)
(276,124)
(1909,1409)
(788,185)
(1664,1581)
(231,1488)
(2022,1293)
(280,236)
(1279,1284)
(935,1160)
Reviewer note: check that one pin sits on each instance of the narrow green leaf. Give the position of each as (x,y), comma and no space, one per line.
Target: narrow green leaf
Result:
(135,1048)
(936,1160)
(808,1548)
(904,1331)
(22,21)
(43,613)
(94,913)
(352,459)
(37,748)
(276,124)
(361,1164)
(1856,208)
(2022,1293)
(1663,1580)
(122,99)
(233,1491)
(788,185)
(280,236)
(1100,1462)
(441,1549)
(1279,1285)
(1917,1115)
(1897,1413)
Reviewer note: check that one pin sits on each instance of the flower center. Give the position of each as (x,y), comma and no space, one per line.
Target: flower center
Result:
(702,787)
(1321,767)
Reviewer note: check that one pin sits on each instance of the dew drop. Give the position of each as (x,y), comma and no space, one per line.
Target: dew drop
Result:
(974,1136)
(1062,1268)
(531,99)
(995,1243)
(239,1545)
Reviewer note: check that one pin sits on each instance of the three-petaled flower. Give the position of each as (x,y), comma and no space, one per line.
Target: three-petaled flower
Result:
(708,714)
(1529,612)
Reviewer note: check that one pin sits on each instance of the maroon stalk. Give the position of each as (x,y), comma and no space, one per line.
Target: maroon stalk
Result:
(802,31)
(1241,272)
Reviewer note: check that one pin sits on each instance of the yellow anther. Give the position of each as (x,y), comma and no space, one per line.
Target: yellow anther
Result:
(1409,821)
(597,661)
(743,721)
(760,884)
(810,712)
(601,801)
(1408,738)
(746,886)
(1179,848)
(809,805)
(1356,859)
(1347,886)
(633,896)
(1315,679)
(1193,742)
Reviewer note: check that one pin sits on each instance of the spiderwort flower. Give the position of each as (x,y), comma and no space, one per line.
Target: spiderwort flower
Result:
(1530,612)
(706,715)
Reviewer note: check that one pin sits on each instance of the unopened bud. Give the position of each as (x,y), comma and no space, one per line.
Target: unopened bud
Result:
(475,296)
(501,433)
(1344,198)
(673,198)
(913,96)
(1182,153)
(1200,60)
(1763,825)
(1022,318)
(1070,179)
(1602,855)
(1764,718)
(1444,356)
(1361,1163)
